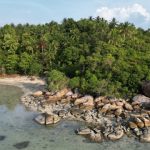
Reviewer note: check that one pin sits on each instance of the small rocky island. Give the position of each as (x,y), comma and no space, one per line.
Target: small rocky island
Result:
(106,118)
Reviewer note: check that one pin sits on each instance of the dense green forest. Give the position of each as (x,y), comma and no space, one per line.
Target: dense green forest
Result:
(93,55)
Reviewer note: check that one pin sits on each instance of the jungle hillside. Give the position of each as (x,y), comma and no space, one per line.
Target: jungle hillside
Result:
(92,55)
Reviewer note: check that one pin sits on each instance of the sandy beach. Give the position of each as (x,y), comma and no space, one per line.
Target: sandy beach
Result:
(25,83)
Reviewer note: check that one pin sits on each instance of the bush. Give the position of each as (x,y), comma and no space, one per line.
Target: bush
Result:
(56,80)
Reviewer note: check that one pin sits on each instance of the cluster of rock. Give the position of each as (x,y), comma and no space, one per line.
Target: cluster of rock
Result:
(106,118)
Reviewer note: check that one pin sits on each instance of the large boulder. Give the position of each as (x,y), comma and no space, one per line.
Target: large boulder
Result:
(142,100)
(146,88)
(86,102)
(58,96)
(45,119)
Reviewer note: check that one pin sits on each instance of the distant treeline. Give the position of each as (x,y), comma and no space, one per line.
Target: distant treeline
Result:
(93,55)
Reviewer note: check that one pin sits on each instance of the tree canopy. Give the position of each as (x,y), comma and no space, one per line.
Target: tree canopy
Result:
(93,55)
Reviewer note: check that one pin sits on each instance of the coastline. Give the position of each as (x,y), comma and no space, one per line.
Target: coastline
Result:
(106,119)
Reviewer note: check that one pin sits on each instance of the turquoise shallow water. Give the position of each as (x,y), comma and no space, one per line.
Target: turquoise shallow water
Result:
(17,125)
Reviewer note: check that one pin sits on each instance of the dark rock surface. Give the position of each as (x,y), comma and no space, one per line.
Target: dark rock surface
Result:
(146,88)
(21,145)
(2,137)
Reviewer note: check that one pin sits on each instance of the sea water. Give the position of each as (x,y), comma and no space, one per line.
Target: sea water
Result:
(19,131)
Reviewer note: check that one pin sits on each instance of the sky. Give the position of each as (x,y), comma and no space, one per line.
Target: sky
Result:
(44,11)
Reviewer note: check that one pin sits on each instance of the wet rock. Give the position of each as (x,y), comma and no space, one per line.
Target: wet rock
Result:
(52,119)
(62,113)
(2,137)
(95,137)
(116,135)
(45,119)
(21,145)
(40,119)
(84,131)
(56,119)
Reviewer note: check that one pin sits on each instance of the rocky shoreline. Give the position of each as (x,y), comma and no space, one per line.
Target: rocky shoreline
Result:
(106,118)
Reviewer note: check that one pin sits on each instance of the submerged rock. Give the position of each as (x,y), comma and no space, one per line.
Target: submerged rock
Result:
(22,145)
(2,137)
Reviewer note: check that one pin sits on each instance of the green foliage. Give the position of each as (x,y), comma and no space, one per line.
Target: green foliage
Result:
(35,68)
(74,82)
(56,80)
(11,63)
(93,55)
(25,62)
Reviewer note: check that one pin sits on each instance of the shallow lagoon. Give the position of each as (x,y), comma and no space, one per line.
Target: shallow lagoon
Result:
(17,126)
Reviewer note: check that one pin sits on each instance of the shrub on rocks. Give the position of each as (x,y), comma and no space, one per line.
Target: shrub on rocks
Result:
(56,80)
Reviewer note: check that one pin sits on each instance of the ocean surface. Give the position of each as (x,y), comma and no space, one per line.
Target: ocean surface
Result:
(19,131)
